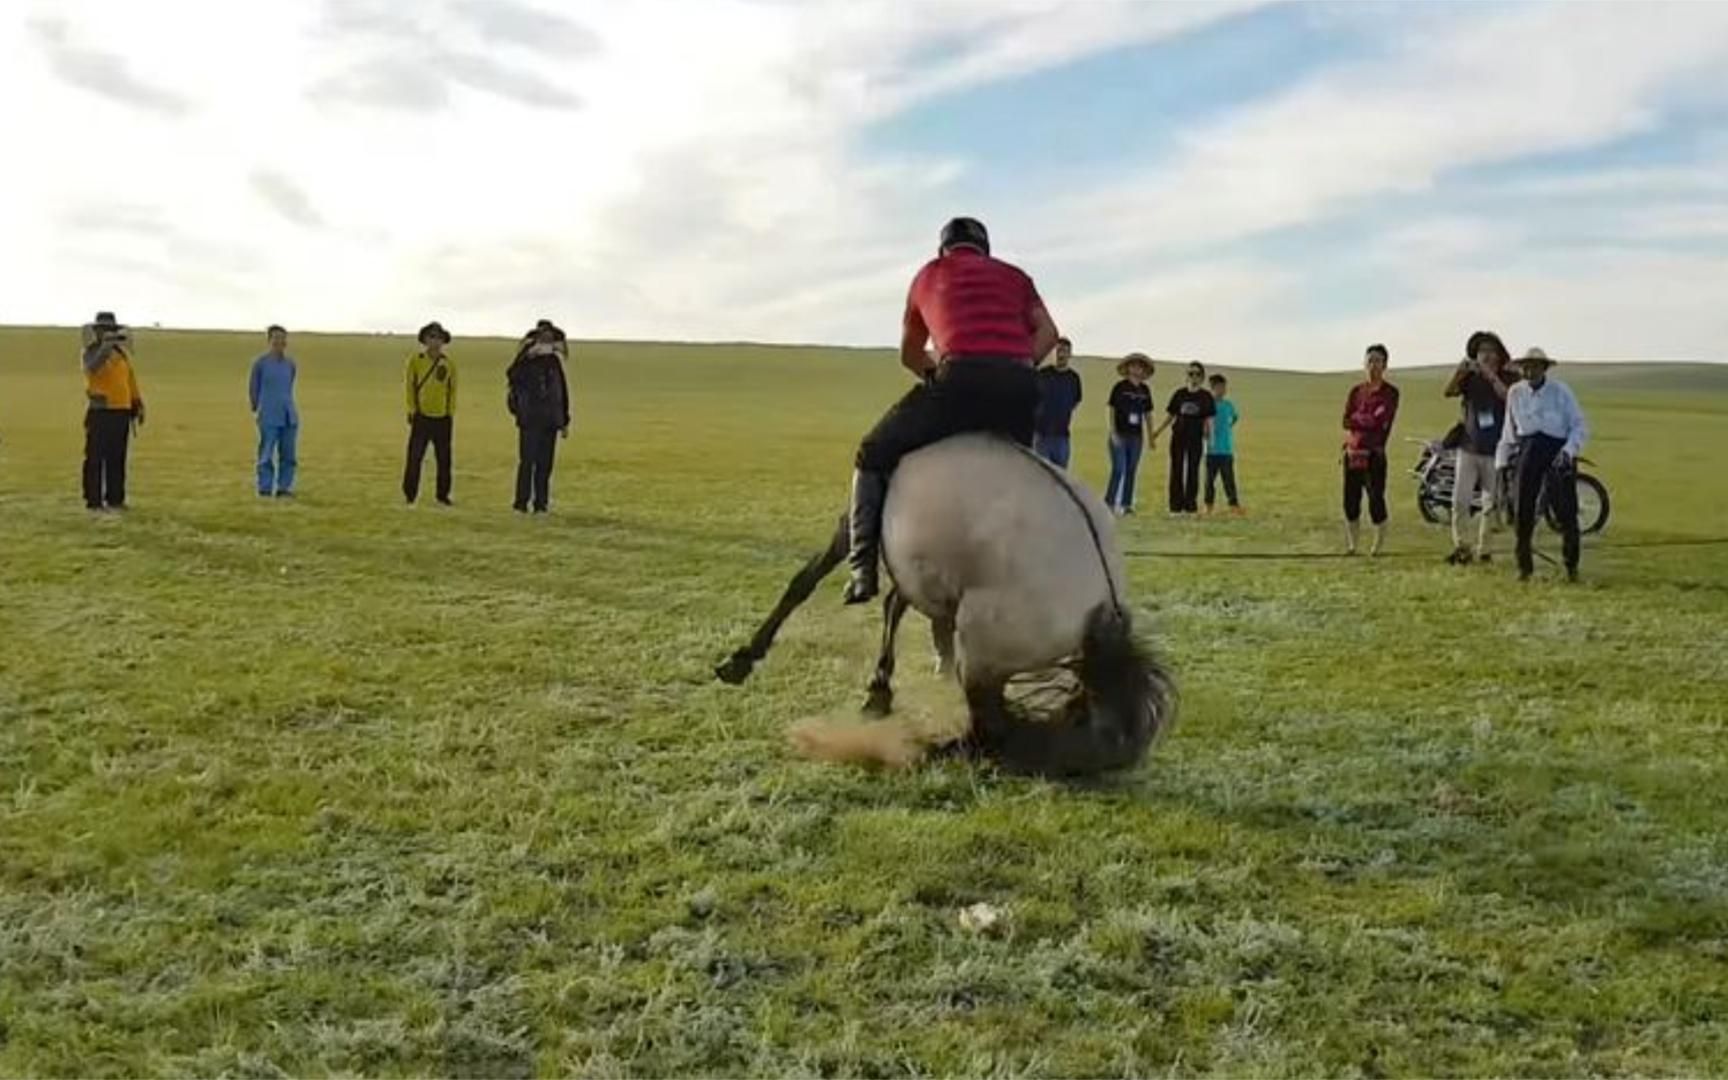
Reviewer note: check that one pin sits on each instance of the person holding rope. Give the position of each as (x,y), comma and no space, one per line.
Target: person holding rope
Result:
(1545,431)
(988,325)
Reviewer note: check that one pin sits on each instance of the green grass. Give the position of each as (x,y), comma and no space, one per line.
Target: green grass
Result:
(341,787)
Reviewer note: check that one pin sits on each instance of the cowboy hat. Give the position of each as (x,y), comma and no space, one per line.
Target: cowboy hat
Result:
(1132,360)
(433,329)
(1537,356)
(105,320)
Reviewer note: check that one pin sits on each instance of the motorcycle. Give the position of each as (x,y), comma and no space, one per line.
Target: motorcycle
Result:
(1436,471)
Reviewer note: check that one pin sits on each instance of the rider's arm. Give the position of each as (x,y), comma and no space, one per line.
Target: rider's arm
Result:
(1044,332)
(913,336)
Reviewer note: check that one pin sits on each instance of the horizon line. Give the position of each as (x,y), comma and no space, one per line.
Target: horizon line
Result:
(157,328)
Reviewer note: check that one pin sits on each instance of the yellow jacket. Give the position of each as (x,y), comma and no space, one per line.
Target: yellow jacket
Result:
(431,385)
(110,382)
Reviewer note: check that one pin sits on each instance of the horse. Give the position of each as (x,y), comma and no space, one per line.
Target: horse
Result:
(1017,569)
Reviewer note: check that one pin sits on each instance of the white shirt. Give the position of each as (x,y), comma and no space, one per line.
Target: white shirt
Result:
(1551,409)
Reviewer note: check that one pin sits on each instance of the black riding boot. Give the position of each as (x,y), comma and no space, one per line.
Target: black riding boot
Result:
(868,489)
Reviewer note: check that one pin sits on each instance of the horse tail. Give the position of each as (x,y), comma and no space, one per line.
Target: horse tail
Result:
(737,667)
(1124,700)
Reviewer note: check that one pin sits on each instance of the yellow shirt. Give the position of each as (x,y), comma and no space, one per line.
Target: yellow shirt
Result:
(112,384)
(431,385)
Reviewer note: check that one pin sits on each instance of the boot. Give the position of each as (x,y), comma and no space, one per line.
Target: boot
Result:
(868,489)
(1350,534)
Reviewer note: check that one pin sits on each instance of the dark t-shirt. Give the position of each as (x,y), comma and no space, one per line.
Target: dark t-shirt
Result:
(1130,405)
(1484,414)
(1191,408)
(1058,397)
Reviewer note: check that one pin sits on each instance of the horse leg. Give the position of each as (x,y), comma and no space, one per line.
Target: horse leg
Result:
(942,634)
(737,667)
(880,701)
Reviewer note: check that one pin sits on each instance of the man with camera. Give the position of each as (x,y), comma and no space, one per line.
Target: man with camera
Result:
(114,406)
(1481,381)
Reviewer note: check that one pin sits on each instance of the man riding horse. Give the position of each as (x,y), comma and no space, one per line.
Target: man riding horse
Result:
(989,327)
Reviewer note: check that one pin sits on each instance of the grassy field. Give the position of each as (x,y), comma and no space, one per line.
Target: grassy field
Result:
(339,786)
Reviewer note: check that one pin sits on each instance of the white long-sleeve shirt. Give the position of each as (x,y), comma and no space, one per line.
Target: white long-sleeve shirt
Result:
(1551,409)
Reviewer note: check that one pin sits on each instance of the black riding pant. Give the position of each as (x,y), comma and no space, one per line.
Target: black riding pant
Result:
(967,394)
(1536,467)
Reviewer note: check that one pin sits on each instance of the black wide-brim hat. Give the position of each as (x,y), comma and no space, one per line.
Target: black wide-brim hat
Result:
(432,330)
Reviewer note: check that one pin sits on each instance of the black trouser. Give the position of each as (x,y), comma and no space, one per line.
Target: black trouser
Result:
(422,430)
(1220,466)
(107,433)
(970,394)
(1536,466)
(1373,480)
(535,448)
(1185,454)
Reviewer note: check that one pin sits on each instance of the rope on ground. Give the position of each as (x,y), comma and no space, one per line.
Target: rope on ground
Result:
(1318,556)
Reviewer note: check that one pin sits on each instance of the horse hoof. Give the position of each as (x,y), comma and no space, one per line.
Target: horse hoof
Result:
(734,670)
(879,703)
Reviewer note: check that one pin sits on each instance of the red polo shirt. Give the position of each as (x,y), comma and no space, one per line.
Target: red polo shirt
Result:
(974,305)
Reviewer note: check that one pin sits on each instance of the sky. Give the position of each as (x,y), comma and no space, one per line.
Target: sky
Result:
(1250,184)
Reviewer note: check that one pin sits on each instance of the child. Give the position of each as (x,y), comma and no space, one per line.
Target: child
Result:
(1221,448)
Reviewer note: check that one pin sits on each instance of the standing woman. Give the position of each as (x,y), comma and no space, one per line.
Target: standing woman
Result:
(1130,411)
(1189,416)
(539,399)
(1368,415)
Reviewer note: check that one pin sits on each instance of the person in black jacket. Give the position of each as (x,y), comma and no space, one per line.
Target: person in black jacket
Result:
(539,399)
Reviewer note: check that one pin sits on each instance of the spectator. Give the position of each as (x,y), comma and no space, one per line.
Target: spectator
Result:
(430,379)
(1058,396)
(1369,412)
(1189,416)
(1130,412)
(114,405)
(1546,426)
(1480,381)
(1221,447)
(539,399)
(272,395)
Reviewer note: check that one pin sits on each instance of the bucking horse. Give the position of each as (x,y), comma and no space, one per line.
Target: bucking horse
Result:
(1016,566)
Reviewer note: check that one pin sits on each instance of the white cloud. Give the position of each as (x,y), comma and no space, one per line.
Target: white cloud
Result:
(676,169)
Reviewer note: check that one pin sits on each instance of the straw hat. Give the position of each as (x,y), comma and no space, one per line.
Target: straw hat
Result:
(1537,356)
(1140,360)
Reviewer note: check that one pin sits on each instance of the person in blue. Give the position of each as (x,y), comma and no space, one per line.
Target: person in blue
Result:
(1058,396)
(1221,446)
(272,395)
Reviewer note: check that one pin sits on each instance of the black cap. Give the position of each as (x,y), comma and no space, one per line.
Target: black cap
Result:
(965,232)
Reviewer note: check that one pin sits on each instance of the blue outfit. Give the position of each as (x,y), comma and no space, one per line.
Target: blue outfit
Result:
(1223,429)
(272,396)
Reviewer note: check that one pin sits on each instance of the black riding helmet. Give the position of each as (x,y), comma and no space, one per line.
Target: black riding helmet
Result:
(965,232)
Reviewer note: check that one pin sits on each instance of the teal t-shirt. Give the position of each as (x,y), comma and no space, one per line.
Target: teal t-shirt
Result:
(1223,425)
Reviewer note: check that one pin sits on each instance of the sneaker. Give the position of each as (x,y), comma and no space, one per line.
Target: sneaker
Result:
(284,494)
(1237,511)
(444,500)
(520,508)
